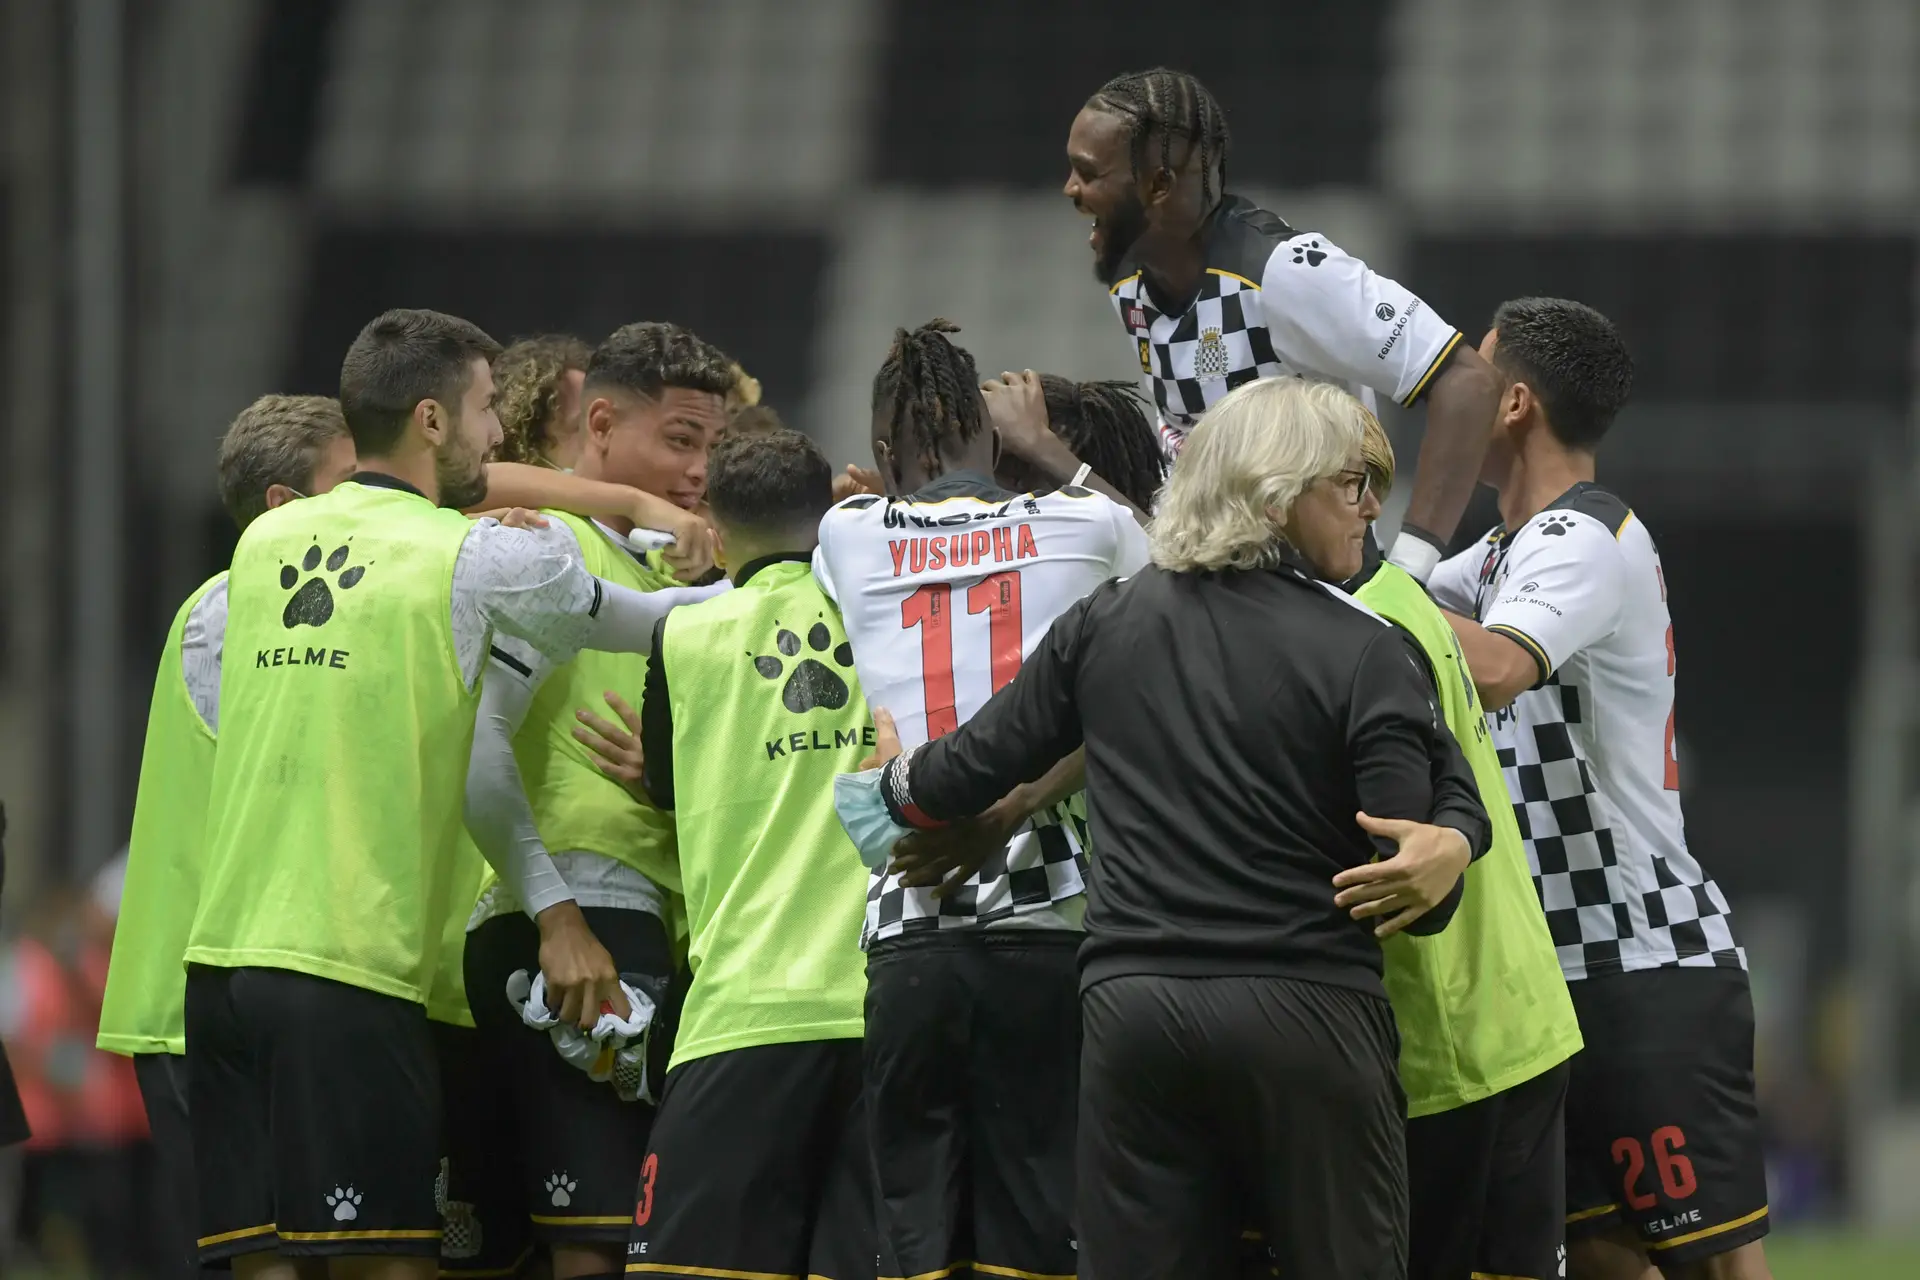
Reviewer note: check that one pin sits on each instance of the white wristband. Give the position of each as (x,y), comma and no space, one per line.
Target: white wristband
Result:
(1416,555)
(1080,476)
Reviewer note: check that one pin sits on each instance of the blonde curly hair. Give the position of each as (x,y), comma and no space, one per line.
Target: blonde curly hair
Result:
(527,377)
(745,393)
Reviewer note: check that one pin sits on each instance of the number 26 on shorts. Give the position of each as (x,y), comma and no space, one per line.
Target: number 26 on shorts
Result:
(1673,1169)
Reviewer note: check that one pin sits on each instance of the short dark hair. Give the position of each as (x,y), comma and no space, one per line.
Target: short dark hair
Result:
(776,480)
(527,376)
(402,357)
(930,389)
(275,440)
(1106,426)
(755,420)
(649,357)
(1574,360)
(1171,104)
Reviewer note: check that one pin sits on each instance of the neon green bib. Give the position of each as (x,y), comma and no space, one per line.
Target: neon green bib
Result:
(345,725)
(142,1011)
(575,805)
(775,893)
(1482,1005)
(447,990)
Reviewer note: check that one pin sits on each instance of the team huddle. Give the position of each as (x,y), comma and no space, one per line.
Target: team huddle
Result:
(501,898)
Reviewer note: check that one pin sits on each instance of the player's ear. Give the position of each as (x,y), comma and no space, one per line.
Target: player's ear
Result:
(279,495)
(599,418)
(883,462)
(434,421)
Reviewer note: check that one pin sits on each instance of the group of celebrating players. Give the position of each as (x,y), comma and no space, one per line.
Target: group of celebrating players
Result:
(488,909)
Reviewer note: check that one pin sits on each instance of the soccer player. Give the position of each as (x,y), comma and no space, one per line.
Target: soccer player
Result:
(1567,633)
(653,399)
(1048,424)
(1483,1060)
(539,403)
(359,622)
(278,449)
(759,1162)
(1214,292)
(944,585)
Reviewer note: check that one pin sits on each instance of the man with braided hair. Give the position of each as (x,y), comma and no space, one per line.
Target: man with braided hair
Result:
(1215,292)
(1050,427)
(945,583)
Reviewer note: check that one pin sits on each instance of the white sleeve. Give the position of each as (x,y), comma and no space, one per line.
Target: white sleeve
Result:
(1565,588)
(499,817)
(202,644)
(1455,581)
(830,524)
(1131,552)
(530,583)
(1330,314)
(822,572)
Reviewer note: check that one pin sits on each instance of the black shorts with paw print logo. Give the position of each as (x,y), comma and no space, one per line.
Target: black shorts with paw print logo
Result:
(315,1110)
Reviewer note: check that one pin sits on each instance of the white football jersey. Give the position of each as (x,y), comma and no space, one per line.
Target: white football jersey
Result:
(1588,753)
(943,595)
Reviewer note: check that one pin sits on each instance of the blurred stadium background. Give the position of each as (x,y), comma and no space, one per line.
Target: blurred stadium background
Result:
(202,200)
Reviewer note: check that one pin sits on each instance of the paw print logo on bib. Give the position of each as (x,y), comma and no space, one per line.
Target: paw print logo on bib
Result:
(810,682)
(311,604)
(560,1189)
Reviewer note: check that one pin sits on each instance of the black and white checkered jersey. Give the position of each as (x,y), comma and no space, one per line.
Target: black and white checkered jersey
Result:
(943,595)
(1588,753)
(1274,301)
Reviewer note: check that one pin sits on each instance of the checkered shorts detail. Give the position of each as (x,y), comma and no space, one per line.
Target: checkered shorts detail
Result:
(1041,866)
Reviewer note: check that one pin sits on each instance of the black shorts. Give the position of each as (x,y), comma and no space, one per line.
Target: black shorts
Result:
(759,1168)
(972,1053)
(163,1088)
(315,1109)
(579,1147)
(483,1217)
(1211,1103)
(1663,1135)
(1485,1190)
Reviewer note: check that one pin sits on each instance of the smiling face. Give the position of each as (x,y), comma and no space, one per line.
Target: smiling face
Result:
(460,457)
(1102,185)
(655,443)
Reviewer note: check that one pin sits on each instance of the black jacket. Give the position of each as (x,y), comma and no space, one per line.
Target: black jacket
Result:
(1234,722)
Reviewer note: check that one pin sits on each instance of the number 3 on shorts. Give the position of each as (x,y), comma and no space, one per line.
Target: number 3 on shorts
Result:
(644,1210)
(1674,1170)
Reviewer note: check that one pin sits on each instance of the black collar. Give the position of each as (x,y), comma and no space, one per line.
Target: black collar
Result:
(381,480)
(961,484)
(752,567)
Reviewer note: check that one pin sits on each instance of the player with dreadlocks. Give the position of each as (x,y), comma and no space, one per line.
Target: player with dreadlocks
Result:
(1050,427)
(1215,292)
(946,582)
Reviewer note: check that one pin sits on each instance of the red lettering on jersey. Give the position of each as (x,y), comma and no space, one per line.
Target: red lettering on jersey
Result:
(1027,549)
(899,548)
(982,544)
(957,549)
(936,554)
(916,555)
(1002,544)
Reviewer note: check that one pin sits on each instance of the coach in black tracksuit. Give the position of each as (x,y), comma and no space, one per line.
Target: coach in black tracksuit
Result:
(1239,1053)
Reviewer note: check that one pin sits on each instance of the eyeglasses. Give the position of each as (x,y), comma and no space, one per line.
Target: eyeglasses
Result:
(1353,485)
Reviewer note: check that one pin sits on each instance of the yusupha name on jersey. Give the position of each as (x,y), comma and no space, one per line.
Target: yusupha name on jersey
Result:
(290,657)
(919,555)
(778,748)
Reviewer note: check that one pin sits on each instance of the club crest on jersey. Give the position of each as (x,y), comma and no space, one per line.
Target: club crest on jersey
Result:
(1210,361)
(1146,356)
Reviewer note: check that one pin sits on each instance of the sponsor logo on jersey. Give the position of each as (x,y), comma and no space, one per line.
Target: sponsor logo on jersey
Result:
(1385,312)
(1136,316)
